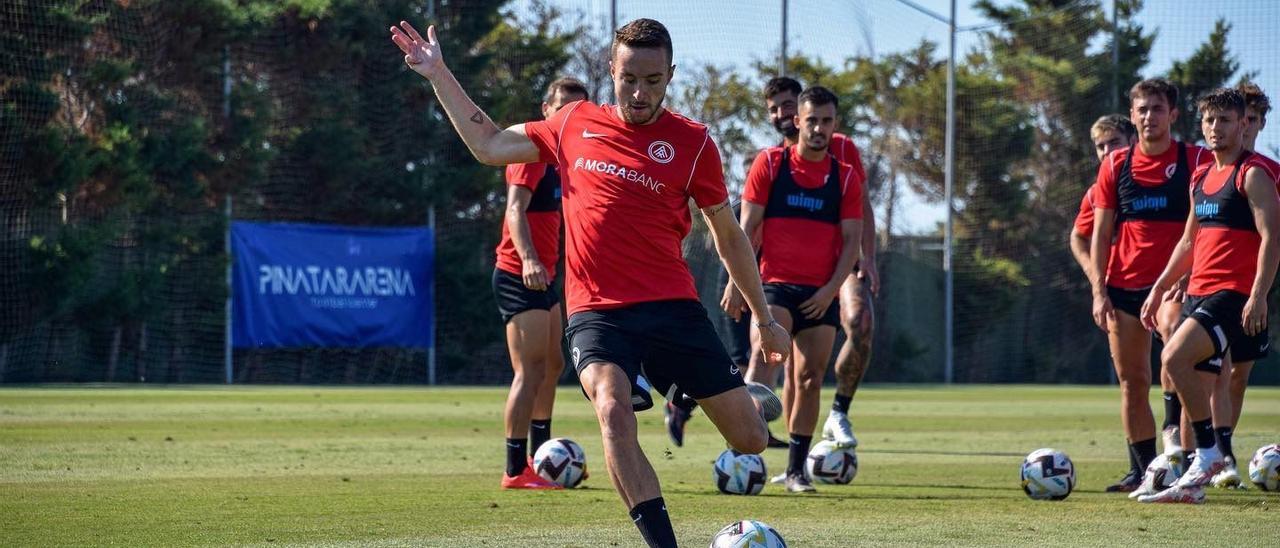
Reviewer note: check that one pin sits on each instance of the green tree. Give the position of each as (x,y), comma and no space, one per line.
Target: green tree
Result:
(1210,66)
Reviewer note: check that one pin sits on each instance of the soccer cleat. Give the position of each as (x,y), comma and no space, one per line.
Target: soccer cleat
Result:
(1147,488)
(1228,478)
(775,443)
(779,479)
(1202,469)
(676,418)
(1172,436)
(767,402)
(1128,483)
(1178,494)
(527,480)
(838,430)
(799,483)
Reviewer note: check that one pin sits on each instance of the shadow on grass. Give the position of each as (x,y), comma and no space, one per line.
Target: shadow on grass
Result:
(938,452)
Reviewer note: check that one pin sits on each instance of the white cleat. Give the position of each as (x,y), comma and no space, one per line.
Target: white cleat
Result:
(1172,440)
(1228,478)
(1178,494)
(838,430)
(1206,465)
(1148,486)
(779,479)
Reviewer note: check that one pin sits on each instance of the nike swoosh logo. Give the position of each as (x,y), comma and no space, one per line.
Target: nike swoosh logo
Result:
(588,135)
(539,426)
(637,518)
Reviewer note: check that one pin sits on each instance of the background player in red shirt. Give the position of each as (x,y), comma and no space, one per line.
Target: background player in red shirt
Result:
(807,207)
(628,174)
(857,316)
(1109,133)
(1231,245)
(530,308)
(1141,202)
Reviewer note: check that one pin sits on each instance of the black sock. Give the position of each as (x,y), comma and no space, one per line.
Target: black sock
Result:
(1204,433)
(539,433)
(1223,434)
(654,524)
(799,451)
(516,462)
(1145,451)
(1133,459)
(1172,410)
(1186,459)
(842,404)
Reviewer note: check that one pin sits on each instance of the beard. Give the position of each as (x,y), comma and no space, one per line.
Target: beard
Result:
(786,128)
(817,143)
(630,116)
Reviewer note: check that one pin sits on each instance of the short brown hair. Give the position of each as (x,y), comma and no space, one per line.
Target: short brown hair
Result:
(1222,99)
(1254,98)
(566,86)
(642,33)
(1118,123)
(1156,86)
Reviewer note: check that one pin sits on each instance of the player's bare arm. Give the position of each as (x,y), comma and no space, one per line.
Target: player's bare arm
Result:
(1261,192)
(1080,250)
(752,217)
(867,270)
(489,143)
(1174,274)
(1099,252)
(815,306)
(534,272)
(740,260)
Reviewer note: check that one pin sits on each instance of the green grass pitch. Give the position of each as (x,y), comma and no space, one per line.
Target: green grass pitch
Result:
(269,466)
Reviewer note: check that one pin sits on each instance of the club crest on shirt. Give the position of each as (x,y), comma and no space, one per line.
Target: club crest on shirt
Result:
(661,152)
(1169,169)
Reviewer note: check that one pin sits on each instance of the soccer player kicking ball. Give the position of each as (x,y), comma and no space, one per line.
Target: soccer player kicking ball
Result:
(1141,202)
(629,172)
(522,279)
(807,206)
(1231,245)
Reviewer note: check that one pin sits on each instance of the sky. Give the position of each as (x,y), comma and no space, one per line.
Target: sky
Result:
(739,32)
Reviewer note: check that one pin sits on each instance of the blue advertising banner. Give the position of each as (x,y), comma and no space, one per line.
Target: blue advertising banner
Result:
(304,285)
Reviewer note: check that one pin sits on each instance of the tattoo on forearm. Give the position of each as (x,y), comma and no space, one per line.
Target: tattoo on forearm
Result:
(711,211)
(478,117)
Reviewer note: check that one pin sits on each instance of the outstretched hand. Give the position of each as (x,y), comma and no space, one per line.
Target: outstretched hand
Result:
(423,56)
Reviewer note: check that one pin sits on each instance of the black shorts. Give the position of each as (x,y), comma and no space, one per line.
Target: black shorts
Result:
(1128,301)
(671,343)
(789,296)
(513,297)
(1219,314)
(1251,349)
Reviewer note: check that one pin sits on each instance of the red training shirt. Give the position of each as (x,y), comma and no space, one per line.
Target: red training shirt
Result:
(626,191)
(1224,258)
(1084,219)
(544,226)
(797,250)
(1141,248)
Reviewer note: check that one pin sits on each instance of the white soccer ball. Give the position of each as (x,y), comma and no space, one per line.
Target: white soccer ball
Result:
(561,460)
(739,473)
(829,463)
(1167,469)
(770,405)
(1264,467)
(748,533)
(1048,474)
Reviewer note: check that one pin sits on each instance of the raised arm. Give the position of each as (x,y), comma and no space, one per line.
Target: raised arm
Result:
(488,143)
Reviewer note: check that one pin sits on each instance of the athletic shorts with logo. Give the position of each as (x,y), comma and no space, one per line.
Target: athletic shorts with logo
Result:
(790,296)
(513,297)
(1219,314)
(671,343)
